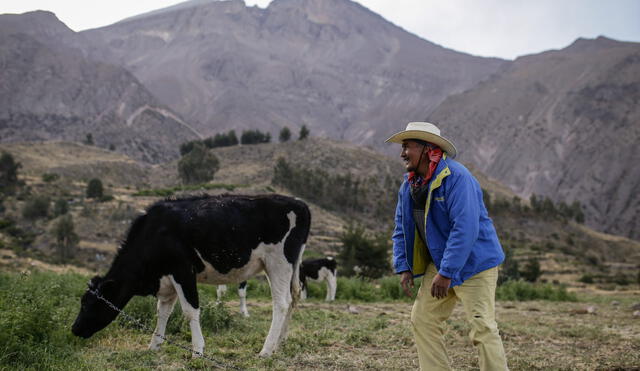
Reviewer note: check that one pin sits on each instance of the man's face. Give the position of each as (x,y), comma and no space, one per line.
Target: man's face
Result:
(411,154)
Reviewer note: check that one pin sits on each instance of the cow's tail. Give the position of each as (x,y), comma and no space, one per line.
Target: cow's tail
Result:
(295,280)
(299,236)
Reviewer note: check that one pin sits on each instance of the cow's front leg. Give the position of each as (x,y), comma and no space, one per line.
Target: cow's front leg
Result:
(166,300)
(188,295)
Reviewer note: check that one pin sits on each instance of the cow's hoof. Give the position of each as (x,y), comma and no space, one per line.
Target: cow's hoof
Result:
(154,346)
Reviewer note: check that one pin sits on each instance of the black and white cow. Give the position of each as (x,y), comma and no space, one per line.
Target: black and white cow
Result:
(214,239)
(320,270)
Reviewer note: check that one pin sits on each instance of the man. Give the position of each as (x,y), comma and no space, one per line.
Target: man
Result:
(442,231)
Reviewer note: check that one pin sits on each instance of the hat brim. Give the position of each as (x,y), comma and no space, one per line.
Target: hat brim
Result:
(441,142)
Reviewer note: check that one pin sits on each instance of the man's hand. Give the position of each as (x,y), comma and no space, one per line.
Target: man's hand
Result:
(440,286)
(406,281)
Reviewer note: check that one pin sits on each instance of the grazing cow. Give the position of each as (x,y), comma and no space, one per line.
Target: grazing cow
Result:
(214,239)
(242,294)
(319,270)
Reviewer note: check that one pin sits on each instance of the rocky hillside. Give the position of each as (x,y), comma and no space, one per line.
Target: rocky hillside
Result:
(567,252)
(50,90)
(563,124)
(332,65)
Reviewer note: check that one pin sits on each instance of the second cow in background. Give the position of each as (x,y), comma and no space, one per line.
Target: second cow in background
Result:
(319,270)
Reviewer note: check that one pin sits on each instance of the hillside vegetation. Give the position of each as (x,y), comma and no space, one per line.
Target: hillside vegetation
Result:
(344,185)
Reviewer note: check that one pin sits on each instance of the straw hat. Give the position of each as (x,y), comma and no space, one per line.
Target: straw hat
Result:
(427,132)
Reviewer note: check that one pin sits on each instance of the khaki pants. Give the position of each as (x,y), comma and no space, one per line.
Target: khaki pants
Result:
(477,295)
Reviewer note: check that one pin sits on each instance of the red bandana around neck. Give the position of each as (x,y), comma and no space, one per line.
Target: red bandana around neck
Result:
(434,154)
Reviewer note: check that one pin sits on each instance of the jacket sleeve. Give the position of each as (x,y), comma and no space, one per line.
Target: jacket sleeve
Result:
(464,219)
(399,252)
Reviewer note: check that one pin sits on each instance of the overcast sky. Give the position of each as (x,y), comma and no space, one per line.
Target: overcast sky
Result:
(491,28)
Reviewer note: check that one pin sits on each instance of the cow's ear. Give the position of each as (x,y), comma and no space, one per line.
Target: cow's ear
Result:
(94,282)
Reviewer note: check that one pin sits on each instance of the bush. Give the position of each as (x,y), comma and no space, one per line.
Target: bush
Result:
(36,208)
(198,166)
(95,189)
(364,256)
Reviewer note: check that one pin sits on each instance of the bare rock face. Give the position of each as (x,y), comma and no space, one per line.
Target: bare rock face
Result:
(332,65)
(563,124)
(51,91)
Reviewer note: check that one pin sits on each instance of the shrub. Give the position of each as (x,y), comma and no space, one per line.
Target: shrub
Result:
(586,278)
(254,137)
(531,271)
(50,177)
(8,173)
(94,188)
(304,133)
(285,134)
(361,255)
(36,208)
(66,238)
(60,207)
(198,166)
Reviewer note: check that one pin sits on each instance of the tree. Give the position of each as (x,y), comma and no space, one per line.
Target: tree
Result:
(8,173)
(304,132)
(66,238)
(285,134)
(254,137)
(89,139)
(367,257)
(60,207)
(510,267)
(198,166)
(531,271)
(36,208)
(94,188)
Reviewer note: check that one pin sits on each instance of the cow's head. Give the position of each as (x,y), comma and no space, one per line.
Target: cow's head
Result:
(95,314)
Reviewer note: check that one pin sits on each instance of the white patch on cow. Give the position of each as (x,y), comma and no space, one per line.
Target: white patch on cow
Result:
(193,315)
(254,266)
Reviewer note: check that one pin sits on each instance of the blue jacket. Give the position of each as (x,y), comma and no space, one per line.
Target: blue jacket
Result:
(460,235)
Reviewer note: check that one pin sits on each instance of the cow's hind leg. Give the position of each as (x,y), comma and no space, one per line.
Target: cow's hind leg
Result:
(242,293)
(188,295)
(166,300)
(220,292)
(280,274)
(332,283)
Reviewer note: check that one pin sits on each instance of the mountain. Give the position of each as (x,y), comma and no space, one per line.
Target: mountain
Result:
(564,124)
(332,65)
(50,91)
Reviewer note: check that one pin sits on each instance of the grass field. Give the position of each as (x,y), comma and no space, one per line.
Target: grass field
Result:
(39,308)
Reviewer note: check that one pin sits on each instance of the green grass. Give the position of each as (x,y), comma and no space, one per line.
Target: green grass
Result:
(39,308)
